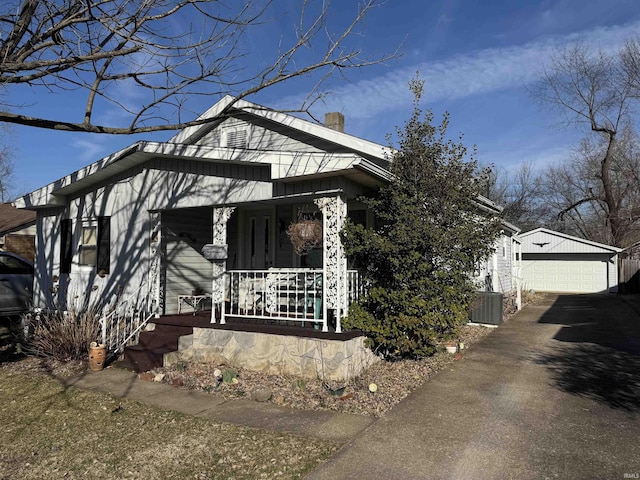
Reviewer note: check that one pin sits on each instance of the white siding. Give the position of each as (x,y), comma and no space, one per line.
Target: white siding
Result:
(503,278)
(47,256)
(164,184)
(499,268)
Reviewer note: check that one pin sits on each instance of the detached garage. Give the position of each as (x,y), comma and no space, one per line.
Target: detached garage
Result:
(557,262)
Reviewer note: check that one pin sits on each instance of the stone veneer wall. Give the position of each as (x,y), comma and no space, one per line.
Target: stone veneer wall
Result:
(276,354)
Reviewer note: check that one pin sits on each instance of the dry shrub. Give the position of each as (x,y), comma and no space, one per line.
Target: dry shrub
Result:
(304,234)
(63,335)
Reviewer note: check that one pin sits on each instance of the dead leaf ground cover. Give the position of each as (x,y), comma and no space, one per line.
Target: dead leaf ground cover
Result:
(49,431)
(394,381)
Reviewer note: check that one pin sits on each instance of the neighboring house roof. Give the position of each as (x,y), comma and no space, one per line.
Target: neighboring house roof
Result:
(543,240)
(12,219)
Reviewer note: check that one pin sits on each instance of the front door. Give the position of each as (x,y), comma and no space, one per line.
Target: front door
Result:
(258,252)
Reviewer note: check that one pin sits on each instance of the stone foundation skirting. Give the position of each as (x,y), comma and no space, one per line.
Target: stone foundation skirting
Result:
(334,360)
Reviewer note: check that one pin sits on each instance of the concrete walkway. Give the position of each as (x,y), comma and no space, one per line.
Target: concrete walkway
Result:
(554,393)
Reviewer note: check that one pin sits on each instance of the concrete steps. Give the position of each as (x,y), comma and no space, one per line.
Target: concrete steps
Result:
(152,346)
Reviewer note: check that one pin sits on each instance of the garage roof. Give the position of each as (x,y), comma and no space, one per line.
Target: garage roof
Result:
(543,240)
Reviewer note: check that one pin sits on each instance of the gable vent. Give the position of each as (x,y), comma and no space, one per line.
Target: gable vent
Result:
(237,138)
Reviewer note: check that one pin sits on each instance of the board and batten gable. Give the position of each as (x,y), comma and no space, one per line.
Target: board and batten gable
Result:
(238,133)
(546,241)
(555,261)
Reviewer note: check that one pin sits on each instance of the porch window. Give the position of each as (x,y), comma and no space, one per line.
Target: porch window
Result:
(94,245)
(88,246)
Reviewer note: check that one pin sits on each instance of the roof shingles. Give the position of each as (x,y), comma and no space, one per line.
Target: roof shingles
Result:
(12,218)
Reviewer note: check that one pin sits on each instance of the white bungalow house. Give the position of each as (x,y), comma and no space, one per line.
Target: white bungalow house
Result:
(200,222)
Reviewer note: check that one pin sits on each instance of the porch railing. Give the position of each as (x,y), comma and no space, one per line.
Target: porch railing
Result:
(122,323)
(282,294)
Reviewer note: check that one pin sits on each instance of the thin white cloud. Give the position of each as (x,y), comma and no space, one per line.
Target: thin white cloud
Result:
(539,158)
(89,150)
(481,72)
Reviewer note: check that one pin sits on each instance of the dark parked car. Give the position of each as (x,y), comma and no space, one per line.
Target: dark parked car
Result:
(16,284)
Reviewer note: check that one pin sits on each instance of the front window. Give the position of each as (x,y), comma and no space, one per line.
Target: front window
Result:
(88,246)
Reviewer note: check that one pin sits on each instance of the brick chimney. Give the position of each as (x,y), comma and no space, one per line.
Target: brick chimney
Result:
(335,121)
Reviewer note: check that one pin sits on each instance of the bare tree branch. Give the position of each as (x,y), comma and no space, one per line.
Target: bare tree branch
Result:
(168,51)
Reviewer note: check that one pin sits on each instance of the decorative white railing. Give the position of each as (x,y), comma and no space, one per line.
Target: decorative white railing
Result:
(281,294)
(121,324)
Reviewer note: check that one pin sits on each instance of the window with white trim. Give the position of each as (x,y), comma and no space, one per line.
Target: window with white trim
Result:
(88,245)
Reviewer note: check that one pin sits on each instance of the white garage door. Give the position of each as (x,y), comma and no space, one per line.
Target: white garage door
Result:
(565,275)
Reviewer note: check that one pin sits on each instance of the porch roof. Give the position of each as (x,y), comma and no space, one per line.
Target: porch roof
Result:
(285,167)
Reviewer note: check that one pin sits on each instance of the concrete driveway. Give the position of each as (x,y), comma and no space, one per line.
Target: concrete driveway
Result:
(553,393)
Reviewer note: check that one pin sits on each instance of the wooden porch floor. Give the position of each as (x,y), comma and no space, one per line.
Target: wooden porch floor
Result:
(202,319)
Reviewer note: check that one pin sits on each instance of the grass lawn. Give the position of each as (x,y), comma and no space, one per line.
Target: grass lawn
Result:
(52,432)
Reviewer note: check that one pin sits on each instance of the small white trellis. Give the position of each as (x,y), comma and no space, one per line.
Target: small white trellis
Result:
(334,213)
(156,292)
(220,218)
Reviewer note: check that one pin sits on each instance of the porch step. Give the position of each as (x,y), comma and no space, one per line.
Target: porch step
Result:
(152,346)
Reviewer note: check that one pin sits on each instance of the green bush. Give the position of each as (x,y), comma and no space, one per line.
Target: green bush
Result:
(429,237)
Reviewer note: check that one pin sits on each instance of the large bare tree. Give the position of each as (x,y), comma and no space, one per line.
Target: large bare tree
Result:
(580,177)
(519,193)
(171,51)
(597,89)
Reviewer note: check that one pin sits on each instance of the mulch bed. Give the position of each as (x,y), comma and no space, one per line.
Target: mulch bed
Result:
(394,381)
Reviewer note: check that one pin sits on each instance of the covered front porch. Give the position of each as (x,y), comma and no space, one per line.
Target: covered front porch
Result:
(238,263)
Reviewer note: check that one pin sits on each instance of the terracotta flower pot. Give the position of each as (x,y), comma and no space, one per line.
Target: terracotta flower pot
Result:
(97,356)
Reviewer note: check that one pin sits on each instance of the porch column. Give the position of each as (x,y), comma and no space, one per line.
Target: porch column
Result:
(156,292)
(220,218)
(334,285)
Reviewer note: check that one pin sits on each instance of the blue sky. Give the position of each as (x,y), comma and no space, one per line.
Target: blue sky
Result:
(477,60)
